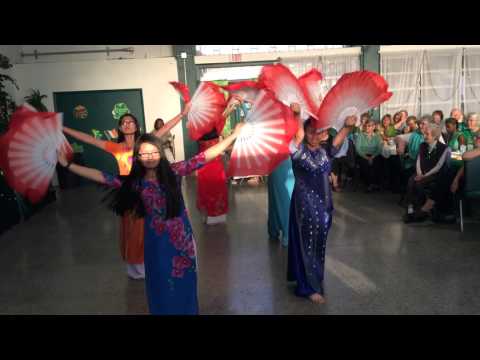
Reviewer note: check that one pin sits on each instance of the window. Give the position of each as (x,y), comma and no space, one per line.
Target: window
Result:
(243,49)
(423,81)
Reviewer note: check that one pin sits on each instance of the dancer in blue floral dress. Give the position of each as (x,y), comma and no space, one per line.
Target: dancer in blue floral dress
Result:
(153,191)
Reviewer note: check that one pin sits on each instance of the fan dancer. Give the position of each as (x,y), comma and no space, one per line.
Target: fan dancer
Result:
(131,227)
(280,188)
(153,190)
(311,206)
(212,191)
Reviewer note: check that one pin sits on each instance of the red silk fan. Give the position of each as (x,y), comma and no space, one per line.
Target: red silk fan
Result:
(207,105)
(263,140)
(182,89)
(29,151)
(279,79)
(247,90)
(353,94)
(311,83)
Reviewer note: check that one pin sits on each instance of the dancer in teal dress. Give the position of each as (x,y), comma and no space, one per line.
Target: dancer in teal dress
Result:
(280,187)
(153,191)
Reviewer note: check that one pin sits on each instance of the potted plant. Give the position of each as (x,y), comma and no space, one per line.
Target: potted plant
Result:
(35,99)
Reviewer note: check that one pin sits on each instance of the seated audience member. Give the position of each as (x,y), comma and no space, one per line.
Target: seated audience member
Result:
(408,146)
(390,159)
(457,114)
(437,118)
(369,146)
(453,138)
(425,188)
(343,163)
(411,125)
(472,132)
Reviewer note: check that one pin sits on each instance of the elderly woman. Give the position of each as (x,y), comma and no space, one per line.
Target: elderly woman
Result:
(424,188)
(472,132)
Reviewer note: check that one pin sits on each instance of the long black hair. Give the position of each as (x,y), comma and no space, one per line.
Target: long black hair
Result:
(121,135)
(127,197)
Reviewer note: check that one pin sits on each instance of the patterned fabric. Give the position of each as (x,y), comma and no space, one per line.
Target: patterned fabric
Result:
(310,217)
(170,255)
(123,156)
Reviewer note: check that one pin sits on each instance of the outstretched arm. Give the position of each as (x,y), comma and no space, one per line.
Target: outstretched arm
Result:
(212,152)
(89,173)
(171,123)
(86,138)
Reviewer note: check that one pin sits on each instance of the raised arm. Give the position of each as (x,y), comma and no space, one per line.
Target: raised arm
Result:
(300,134)
(343,133)
(86,138)
(399,124)
(171,123)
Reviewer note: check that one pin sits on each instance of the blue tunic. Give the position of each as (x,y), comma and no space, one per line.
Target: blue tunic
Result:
(310,217)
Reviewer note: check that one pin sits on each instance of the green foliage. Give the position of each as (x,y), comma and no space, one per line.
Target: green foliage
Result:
(7,104)
(35,99)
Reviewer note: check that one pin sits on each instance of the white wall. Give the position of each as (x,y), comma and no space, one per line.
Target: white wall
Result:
(140,52)
(151,75)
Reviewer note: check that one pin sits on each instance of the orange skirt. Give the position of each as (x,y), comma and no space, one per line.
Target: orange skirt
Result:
(131,239)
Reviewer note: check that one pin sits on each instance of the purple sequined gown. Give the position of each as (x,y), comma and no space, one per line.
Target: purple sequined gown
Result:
(310,217)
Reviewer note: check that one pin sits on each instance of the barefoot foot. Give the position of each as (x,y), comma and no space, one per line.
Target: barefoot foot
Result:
(317,298)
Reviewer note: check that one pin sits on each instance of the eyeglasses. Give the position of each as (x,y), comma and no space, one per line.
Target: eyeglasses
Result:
(151,155)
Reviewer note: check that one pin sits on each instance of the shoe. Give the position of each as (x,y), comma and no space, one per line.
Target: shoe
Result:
(421,216)
(408,218)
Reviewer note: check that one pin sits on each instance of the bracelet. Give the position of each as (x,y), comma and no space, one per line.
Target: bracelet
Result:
(68,165)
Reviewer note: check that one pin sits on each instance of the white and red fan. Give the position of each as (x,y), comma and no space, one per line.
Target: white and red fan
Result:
(353,94)
(311,82)
(182,89)
(29,151)
(263,140)
(207,106)
(279,79)
(247,90)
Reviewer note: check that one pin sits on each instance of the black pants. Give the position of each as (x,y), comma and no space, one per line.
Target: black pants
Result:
(435,187)
(370,172)
(391,173)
